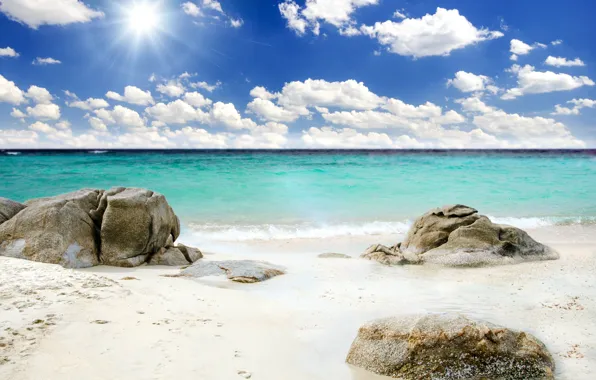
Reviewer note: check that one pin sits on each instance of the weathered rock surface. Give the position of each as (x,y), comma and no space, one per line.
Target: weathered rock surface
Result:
(56,230)
(176,255)
(448,346)
(247,271)
(136,224)
(121,227)
(459,236)
(333,255)
(9,208)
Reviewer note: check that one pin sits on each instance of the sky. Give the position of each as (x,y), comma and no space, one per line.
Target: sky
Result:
(297,74)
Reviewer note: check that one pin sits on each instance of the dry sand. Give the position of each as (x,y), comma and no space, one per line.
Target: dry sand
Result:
(94,324)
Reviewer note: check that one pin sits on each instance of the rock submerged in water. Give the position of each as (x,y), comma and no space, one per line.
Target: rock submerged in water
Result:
(448,346)
(121,227)
(246,271)
(459,236)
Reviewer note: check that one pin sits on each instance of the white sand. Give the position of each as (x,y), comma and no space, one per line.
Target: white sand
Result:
(296,326)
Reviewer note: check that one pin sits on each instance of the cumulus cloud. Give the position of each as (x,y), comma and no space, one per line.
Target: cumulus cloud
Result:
(267,110)
(560,61)
(328,137)
(13,138)
(468,82)
(89,104)
(45,61)
(39,95)
(10,92)
(176,112)
(334,12)
(518,47)
(132,95)
(578,104)
(44,111)
(530,81)
(48,12)
(196,99)
(206,86)
(8,52)
(122,116)
(430,35)
(18,114)
(172,89)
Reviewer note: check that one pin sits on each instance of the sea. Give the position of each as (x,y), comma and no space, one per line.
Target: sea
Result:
(240,195)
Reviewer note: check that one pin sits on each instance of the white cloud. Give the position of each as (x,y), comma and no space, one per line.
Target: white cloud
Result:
(10,93)
(291,12)
(236,23)
(518,48)
(191,9)
(121,116)
(97,124)
(538,82)
(132,95)
(44,111)
(261,92)
(35,13)
(39,95)
(89,104)
(45,61)
(172,89)
(474,104)
(266,109)
(206,86)
(556,42)
(64,124)
(38,126)
(560,61)
(227,115)
(8,52)
(399,14)
(213,4)
(17,114)
(578,105)
(437,34)
(327,137)
(196,99)
(189,137)
(12,138)
(176,112)
(468,82)
(311,92)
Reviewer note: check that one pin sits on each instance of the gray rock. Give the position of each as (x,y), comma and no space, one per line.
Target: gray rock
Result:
(55,230)
(176,256)
(385,255)
(246,271)
(136,224)
(432,229)
(9,208)
(332,255)
(459,236)
(448,346)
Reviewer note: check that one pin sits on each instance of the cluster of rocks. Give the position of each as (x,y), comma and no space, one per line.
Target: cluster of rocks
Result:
(459,236)
(123,227)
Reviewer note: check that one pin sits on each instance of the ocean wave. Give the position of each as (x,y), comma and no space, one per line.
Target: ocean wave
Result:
(267,232)
(13,153)
(297,231)
(98,151)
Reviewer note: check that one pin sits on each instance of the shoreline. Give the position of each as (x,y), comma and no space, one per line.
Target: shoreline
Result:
(296,326)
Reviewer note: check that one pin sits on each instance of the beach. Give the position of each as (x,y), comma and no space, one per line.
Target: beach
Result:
(120,323)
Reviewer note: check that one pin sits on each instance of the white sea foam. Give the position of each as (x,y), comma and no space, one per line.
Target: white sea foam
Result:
(267,232)
(98,151)
(297,231)
(13,153)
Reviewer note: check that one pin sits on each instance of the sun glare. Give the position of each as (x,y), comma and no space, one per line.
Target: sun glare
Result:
(143,18)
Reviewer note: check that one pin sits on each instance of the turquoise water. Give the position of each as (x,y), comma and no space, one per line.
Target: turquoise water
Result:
(266,194)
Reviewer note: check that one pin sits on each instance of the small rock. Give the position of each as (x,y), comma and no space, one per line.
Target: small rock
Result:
(100,322)
(246,375)
(333,255)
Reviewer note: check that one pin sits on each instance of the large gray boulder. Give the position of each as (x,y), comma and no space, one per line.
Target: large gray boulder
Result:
(246,271)
(448,346)
(459,236)
(136,224)
(9,208)
(56,230)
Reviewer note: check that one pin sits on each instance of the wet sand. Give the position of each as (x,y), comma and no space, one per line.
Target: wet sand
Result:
(296,326)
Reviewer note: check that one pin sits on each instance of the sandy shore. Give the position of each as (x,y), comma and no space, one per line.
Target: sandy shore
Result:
(95,324)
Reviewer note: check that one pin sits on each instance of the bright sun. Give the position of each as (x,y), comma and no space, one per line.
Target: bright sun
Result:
(143,18)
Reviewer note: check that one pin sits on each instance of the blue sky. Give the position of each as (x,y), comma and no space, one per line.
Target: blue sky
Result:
(297,74)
